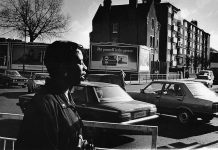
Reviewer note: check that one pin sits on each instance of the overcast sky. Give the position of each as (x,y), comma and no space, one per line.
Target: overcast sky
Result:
(82,12)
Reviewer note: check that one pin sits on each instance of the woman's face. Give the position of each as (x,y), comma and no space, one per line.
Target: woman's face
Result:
(76,70)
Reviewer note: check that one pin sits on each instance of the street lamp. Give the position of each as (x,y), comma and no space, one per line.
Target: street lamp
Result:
(24,57)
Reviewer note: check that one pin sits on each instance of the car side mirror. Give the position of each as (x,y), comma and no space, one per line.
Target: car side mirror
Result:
(142,91)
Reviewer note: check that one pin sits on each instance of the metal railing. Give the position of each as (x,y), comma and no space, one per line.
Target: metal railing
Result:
(140,77)
(144,129)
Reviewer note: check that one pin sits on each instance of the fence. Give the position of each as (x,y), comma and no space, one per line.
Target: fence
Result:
(143,129)
(150,77)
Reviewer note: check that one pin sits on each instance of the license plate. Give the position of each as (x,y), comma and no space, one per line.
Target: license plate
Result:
(139,114)
(20,84)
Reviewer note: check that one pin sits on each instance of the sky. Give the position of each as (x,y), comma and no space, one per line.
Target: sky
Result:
(82,12)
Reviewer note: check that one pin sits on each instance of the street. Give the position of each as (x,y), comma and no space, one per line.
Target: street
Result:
(170,133)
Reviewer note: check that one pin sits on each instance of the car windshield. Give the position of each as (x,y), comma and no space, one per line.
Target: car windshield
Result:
(112,94)
(203,77)
(12,73)
(41,76)
(203,73)
(199,89)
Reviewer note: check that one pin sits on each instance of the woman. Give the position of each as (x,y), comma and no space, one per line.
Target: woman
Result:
(52,122)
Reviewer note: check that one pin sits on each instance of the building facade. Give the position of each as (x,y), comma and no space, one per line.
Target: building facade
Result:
(177,44)
(183,45)
(133,23)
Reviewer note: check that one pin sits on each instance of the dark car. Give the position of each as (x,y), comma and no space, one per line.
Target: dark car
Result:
(107,78)
(188,100)
(12,78)
(105,102)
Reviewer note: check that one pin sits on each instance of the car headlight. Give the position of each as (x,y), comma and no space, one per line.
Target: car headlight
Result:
(125,116)
(153,109)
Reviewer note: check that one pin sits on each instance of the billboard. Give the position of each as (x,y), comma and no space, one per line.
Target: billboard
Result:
(113,57)
(29,55)
(144,59)
(3,55)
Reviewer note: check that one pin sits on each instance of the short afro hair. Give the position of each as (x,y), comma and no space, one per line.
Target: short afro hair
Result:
(60,52)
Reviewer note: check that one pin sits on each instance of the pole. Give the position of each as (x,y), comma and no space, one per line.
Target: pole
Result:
(24,59)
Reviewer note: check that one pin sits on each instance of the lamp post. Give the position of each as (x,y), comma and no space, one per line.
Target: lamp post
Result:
(24,50)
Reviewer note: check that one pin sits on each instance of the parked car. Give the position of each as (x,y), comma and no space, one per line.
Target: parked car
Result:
(12,78)
(207,73)
(188,100)
(105,102)
(206,77)
(107,78)
(36,81)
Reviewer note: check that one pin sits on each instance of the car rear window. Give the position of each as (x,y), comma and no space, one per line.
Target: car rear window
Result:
(199,89)
(111,94)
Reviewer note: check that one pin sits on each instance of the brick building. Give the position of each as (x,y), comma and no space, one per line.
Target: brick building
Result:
(133,23)
(177,44)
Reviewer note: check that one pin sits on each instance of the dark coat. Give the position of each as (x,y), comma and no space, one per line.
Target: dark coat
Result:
(50,123)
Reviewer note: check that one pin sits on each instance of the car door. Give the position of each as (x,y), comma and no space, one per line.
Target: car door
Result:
(152,93)
(171,98)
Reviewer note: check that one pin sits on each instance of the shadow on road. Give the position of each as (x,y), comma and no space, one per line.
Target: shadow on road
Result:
(12,95)
(169,127)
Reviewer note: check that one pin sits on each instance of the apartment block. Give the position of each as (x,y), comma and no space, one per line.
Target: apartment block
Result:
(183,45)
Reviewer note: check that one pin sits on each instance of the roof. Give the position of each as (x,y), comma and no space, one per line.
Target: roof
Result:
(42,73)
(122,12)
(96,84)
(174,81)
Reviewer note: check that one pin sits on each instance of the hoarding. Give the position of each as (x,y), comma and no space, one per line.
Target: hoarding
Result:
(113,57)
(3,55)
(144,59)
(31,56)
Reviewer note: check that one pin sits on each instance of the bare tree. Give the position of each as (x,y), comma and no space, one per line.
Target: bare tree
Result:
(33,18)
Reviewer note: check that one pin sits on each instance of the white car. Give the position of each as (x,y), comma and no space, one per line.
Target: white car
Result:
(206,77)
(35,81)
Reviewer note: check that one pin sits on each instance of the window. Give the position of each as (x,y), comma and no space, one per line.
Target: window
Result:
(154,88)
(115,27)
(174,90)
(151,41)
(152,24)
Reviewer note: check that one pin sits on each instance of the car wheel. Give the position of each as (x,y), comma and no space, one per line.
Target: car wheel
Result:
(185,117)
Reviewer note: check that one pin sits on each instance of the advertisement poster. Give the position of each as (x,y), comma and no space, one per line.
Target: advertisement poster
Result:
(111,57)
(3,55)
(144,59)
(29,55)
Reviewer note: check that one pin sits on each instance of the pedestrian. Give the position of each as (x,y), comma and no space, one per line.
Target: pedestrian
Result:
(187,74)
(122,76)
(51,122)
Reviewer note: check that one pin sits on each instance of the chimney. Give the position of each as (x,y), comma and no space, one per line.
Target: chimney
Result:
(107,3)
(195,22)
(133,3)
(157,1)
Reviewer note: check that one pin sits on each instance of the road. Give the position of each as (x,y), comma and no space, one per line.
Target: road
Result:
(170,133)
